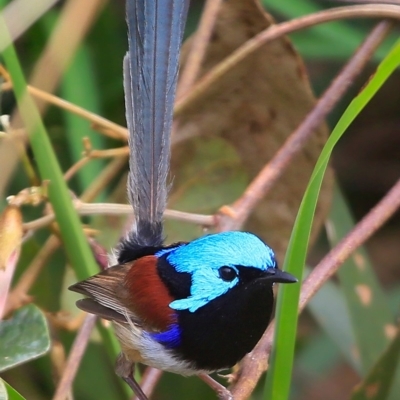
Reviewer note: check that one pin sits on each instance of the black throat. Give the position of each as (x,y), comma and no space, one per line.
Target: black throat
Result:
(221,333)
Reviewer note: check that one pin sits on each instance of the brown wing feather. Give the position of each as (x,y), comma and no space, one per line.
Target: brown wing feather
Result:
(108,296)
(92,307)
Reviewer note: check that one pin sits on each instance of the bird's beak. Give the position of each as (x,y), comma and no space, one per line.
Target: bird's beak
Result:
(278,276)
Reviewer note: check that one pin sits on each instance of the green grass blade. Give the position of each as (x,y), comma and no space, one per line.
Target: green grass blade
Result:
(365,298)
(78,87)
(328,307)
(72,234)
(8,393)
(378,382)
(74,240)
(281,361)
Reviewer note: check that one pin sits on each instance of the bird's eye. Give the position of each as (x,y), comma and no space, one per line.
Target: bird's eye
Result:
(227,273)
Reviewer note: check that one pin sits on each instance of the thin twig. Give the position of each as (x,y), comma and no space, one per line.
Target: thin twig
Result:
(222,392)
(74,358)
(58,51)
(58,360)
(357,236)
(19,21)
(270,174)
(198,46)
(119,209)
(274,32)
(106,175)
(62,44)
(95,154)
(19,295)
(149,381)
(105,126)
(109,153)
(75,168)
(255,363)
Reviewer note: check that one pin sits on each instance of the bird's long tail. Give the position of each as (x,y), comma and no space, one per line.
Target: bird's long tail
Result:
(150,76)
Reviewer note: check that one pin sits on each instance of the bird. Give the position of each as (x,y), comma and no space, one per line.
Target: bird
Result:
(188,307)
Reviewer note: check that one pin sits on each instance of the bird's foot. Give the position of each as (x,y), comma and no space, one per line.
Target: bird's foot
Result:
(125,369)
(222,392)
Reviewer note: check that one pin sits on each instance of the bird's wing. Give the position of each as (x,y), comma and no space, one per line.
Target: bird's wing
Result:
(107,295)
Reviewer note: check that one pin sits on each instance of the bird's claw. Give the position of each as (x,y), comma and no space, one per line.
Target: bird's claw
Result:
(125,369)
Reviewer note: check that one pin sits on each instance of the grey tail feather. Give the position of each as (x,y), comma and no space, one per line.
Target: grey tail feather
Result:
(150,75)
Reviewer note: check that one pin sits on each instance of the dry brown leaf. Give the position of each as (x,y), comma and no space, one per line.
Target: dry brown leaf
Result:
(10,245)
(10,236)
(254,108)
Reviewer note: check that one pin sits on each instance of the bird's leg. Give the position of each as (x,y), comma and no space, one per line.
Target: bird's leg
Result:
(125,369)
(222,392)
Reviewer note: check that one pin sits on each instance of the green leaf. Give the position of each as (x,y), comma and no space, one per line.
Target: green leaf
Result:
(281,360)
(78,87)
(24,337)
(334,40)
(377,384)
(328,307)
(72,234)
(365,298)
(74,240)
(9,393)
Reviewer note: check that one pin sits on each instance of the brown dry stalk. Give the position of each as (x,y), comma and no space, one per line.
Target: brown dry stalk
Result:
(105,126)
(198,47)
(109,128)
(275,32)
(255,363)
(106,175)
(93,154)
(63,44)
(19,21)
(149,381)
(57,54)
(269,175)
(119,209)
(74,358)
(19,295)
(253,367)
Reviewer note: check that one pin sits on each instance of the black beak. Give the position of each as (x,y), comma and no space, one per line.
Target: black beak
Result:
(278,276)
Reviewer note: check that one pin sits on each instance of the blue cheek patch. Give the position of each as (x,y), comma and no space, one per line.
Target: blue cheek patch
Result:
(170,338)
(203,257)
(206,286)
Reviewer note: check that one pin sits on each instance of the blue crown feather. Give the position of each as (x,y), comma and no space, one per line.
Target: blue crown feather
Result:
(203,258)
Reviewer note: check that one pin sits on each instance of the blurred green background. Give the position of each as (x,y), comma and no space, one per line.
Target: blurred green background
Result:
(366,164)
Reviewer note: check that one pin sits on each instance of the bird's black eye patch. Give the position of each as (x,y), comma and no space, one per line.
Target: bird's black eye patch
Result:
(227,274)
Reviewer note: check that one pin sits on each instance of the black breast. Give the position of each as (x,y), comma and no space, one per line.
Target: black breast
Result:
(221,333)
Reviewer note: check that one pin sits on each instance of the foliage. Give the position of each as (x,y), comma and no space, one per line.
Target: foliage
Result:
(208,173)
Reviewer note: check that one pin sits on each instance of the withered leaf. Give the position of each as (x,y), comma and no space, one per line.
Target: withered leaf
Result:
(253,109)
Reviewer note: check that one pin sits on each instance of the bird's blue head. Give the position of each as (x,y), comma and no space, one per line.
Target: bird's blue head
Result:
(214,261)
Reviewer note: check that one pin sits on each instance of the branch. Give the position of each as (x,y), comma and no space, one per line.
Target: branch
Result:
(275,32)
(235,216)
(74,358)
(255,363)
(119,209)
(198,46)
